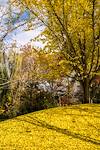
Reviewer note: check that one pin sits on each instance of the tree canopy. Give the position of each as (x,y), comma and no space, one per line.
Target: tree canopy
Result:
(73,28)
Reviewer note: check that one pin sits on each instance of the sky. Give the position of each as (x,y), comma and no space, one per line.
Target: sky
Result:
(19,35)
(3,2)
(23,37)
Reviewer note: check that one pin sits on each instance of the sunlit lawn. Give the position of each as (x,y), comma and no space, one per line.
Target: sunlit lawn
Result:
(62,128)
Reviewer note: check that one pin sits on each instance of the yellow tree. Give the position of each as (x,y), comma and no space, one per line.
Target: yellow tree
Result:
(73,28)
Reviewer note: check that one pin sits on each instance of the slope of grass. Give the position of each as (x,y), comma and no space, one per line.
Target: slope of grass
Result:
(62,128)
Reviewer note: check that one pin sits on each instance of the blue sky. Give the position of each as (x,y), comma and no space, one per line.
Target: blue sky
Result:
(3,2)
(19,35)
(25,15)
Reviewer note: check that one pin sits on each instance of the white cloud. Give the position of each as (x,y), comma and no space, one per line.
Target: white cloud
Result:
(3,2)
(38,44)
(23,37)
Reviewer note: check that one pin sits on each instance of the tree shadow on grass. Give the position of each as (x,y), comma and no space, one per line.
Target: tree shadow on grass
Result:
(35,121)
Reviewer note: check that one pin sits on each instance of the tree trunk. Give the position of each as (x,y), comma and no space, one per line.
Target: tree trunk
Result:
(86,92)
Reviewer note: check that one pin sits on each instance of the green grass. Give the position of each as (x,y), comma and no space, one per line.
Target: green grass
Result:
(61,128)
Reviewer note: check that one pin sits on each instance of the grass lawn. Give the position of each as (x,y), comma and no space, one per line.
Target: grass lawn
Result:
(62,128)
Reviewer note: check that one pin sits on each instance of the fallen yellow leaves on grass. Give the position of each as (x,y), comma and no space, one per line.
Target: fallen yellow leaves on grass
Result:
(63,128)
